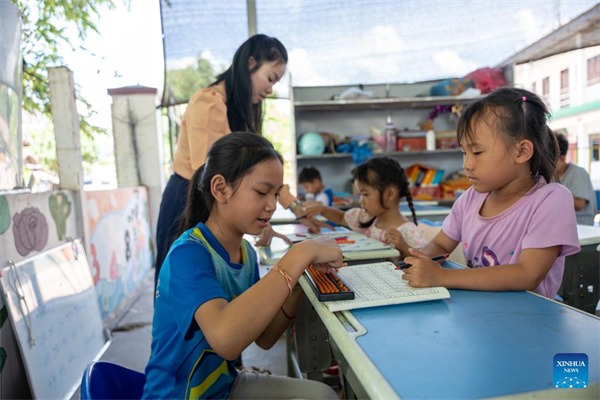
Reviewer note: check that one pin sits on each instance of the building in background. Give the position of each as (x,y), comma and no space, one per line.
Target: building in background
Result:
(564,68)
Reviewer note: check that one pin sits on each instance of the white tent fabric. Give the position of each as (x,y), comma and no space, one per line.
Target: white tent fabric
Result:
(376,41)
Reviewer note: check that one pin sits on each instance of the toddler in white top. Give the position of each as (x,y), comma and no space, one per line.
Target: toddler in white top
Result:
(382,184)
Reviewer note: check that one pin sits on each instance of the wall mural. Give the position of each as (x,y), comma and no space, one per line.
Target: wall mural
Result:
(30,223)
(4,215)
(119,250)
(60,209)
(30,230)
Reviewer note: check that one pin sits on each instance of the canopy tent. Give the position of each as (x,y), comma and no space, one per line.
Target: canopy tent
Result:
(351,42)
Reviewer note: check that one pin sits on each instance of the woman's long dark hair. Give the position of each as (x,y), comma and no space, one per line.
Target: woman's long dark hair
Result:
(380,173)
(241,113)
(234,156)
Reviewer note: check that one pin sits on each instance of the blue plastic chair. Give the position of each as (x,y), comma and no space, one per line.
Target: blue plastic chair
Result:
(106,380)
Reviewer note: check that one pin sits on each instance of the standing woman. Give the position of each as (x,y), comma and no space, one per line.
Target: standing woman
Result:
(232,103)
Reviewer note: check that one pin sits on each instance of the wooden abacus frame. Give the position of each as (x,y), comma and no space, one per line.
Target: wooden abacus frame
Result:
(328,287)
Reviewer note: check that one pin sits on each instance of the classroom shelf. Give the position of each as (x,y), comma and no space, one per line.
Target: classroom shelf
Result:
(380,103)
(393,153)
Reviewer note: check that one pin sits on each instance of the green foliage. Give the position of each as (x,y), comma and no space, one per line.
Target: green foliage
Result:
(277,128)
(184,82)
(43,145)
(46,25)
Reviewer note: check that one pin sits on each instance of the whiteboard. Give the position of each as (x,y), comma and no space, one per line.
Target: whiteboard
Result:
(53,308)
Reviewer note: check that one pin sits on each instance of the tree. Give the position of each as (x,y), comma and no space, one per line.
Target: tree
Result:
(46,25)
(184,82)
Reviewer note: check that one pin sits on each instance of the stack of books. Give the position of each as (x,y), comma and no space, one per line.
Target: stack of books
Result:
(424,181)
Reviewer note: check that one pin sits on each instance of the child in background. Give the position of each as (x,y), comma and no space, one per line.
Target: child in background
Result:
(515,227)
(310,180)
(381,183)
(210,303)
(578,181)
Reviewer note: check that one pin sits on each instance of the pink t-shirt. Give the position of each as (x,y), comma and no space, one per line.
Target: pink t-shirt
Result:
(411,233)
(544,217)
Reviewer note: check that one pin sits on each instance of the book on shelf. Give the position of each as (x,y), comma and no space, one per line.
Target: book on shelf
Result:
(422,175)
(380,284)
(424,181)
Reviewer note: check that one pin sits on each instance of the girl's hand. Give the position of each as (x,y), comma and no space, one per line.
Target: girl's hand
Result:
(264,239)
(423,272)
(313,208)
(326,254)
(313,225)
(306,219)
(394,237)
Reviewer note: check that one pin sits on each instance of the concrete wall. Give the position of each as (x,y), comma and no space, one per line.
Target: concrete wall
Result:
(10,97)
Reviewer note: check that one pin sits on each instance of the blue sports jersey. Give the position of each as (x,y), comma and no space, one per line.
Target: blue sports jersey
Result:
(197,269)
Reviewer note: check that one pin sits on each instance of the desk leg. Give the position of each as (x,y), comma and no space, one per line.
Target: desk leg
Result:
(312,342)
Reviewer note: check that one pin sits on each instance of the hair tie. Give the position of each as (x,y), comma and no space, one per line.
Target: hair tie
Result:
(524,98)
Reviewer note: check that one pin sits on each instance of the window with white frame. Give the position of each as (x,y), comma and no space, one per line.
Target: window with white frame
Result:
(546,87)
(564,88)
(593,70)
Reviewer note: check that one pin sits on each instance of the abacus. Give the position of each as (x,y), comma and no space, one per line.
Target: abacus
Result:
(327,287)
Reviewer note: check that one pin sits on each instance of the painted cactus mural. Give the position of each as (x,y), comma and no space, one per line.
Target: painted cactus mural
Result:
(4,215)
(30,230)
(60,209)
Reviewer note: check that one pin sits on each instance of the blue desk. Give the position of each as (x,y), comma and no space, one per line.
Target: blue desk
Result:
(473,345)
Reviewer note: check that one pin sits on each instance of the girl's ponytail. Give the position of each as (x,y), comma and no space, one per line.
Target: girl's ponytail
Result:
(199,202)
(233,156)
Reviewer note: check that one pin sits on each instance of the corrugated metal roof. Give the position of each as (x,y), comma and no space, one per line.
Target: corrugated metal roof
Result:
(581,32)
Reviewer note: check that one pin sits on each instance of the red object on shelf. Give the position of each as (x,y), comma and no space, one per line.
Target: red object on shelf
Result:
(410,144)
(425,192)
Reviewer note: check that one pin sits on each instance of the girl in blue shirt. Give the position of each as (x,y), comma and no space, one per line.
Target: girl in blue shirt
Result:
(210,303)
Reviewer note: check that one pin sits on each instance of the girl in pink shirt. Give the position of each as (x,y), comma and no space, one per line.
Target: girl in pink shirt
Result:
(382,183)
(514,226)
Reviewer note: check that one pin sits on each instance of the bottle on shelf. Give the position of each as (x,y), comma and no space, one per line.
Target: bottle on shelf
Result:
(430,140)
(390,135)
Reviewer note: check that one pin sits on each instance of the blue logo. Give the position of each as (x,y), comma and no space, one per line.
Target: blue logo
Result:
(570,370)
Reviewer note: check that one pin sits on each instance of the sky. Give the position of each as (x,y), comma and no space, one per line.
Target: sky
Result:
(329,43)
(128,51)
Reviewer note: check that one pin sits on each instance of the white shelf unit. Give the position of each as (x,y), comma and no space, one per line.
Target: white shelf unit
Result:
(316,110)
